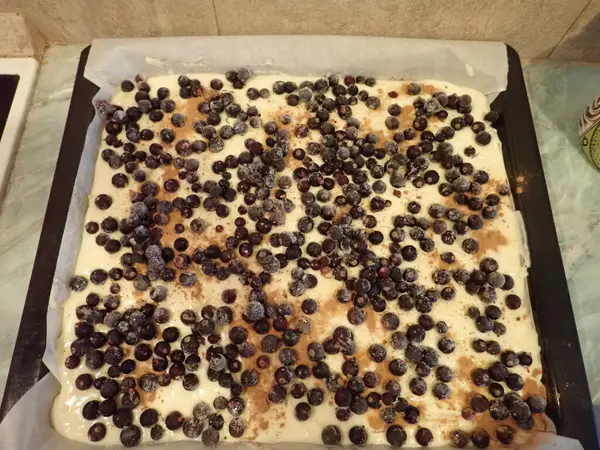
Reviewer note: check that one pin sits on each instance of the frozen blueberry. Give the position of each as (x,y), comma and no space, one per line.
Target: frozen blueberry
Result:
(103,201)
(525,359)
(192,427)
(484,324)
(78,283)
(315,396)
(91,410)
(483,137)
(441,391)
(210,437)
(122,417)
(331,435)
(498,371)
(397,367)
(157,432)
(236,427)
(395,436)
(505,434)
(84,381)
(424,437)
(309,306)
(130,436)
(297,288)
(470,246)
(459,439)
(303,411)
(444,373)
(358,435)
(390,321)
(94,359)
(174,420)
(97,432)
(236,406)
(399,340)
(514,382)
(498,410)
(255,311)
(513,301)
(418,386)
(127,86)
(413,89)
(377,353)
(480,438)
(537,403)
(479,403)
(148,418)
(277,394)
(480,377)
(216,421)
(130,399)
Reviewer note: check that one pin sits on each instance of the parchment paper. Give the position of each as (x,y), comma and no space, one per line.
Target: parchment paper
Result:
(479,65)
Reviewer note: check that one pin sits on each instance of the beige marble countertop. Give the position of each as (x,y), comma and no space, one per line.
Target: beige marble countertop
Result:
(558,93)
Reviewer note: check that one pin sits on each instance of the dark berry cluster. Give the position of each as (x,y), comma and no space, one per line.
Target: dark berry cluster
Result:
(341,174)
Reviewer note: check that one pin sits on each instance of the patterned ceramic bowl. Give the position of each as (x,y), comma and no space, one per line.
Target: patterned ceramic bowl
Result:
(589,131)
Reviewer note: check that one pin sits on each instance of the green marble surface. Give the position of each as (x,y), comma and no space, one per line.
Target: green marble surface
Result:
(558,94)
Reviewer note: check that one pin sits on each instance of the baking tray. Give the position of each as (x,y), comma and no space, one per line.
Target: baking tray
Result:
(570,405)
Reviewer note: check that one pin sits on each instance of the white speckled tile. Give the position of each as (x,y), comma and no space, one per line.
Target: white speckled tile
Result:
(558,93)
(24,205)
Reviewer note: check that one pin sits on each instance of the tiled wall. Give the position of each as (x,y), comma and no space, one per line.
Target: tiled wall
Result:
(563,29)
(582,42)
(19,38)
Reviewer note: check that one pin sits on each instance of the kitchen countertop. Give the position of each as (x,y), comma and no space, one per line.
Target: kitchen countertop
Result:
(24,204)
(558,93)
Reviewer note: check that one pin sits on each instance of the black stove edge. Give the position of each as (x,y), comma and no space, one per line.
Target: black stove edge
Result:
(8,90)
(27,367)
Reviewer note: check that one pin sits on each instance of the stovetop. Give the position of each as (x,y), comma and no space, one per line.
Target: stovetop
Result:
(17,80)
(8,89)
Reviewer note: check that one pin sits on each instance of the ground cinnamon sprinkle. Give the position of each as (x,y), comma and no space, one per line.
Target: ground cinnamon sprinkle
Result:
(533,387)
(147,398)
(198,292)
(466,366)
(292,163)
(371,322)
(376,422)
(257,395)
(428,89)
(490,239)
(141,367)
(450,202)
(363,360)
(521,181)
(407,115)
(340,212)
(367,127)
